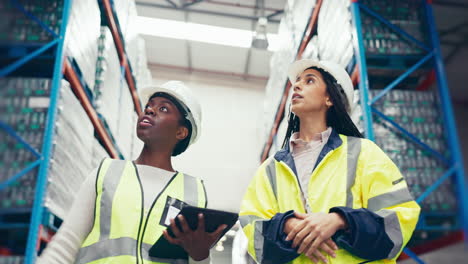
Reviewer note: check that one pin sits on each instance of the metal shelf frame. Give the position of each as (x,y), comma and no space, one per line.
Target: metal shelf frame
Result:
(61,68)
(455,162)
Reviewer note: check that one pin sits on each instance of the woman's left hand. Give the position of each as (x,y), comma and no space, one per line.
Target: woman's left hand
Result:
(315,229)
(196,242)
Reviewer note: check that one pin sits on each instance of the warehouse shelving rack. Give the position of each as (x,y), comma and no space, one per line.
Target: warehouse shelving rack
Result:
(62,67)
(432,57)
(114,27)
(360,76)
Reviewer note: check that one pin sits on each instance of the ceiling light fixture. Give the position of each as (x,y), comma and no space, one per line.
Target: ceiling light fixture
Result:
(199,32)
(260,38)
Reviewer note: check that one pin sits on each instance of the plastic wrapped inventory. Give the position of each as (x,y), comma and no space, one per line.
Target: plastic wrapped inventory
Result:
(405,14)
(126,123)
(11,259)
(126,14)
(15,26)
(108,77)
(99,153)
(23,107)
(311,51)
(137,55)
(82,37)
(334,32)
(419,114)
(290,33)
(71,156)
(137,144)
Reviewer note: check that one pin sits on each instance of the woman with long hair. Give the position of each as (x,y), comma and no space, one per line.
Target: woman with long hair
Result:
(328,195)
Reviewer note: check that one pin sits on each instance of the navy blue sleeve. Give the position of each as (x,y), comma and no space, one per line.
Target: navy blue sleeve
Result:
(365,236)
(275,247)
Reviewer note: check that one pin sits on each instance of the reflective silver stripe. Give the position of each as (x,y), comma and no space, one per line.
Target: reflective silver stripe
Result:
(190,190)
(258,241)
(106,249)
(247,219)
(258,233)
(146,248)
(389,199)
(393,230)
(109,188)
(124,246)
(271,173)
(354,148)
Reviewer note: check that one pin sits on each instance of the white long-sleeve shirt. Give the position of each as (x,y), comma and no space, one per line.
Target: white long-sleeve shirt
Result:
(79,221)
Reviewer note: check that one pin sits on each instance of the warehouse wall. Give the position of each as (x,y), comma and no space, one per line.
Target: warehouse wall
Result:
(227,153)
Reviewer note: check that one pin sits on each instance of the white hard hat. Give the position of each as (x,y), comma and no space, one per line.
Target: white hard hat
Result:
(334,69)
(185,97)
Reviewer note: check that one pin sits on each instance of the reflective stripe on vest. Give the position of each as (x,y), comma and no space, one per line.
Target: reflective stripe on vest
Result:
(353,151)
(109,246)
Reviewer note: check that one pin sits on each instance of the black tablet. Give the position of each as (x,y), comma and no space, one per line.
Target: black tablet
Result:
(213,219)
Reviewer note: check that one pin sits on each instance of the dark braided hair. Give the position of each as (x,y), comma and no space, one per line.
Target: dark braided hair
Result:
(337,116)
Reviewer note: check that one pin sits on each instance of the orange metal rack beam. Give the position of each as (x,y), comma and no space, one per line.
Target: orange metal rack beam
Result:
(122,55)
(280,112)
(80,93)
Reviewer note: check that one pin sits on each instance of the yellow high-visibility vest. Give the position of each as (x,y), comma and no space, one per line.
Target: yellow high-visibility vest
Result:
(123,230)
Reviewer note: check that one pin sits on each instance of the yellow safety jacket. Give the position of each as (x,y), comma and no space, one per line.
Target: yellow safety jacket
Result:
(351,173)
(123,230)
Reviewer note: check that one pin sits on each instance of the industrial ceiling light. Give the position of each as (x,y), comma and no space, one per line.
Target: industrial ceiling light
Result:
(260,39)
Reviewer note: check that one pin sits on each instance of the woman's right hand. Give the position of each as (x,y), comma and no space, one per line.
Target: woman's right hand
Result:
(327,246)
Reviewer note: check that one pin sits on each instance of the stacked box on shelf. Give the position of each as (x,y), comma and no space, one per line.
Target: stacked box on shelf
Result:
(16,27)
(126,14)
(11,259)
(23,107)
(108,78)
(98,154)
(82,37)
(71,156)
(419,114)
(139,63)
(126,125)
(290,33)
(137,144)
(381,40)
(334,33)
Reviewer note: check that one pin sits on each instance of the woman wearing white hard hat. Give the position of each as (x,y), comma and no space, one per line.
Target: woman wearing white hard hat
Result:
(329,195)
(125,207)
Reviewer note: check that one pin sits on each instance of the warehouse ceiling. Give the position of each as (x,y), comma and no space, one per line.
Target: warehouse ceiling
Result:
(201,56)
(230,59)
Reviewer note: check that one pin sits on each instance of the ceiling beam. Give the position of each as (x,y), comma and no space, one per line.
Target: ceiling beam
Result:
(192,3)
(278,12)
(171,3)
(207,12)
